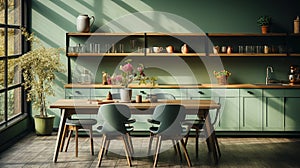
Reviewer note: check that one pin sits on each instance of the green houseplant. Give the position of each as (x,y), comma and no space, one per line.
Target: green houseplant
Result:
(39,66)
(264,22)
(222,76)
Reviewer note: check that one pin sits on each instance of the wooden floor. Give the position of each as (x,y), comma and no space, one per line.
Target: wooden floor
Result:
(37,151)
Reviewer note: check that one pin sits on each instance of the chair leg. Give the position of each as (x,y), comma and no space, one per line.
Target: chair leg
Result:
(91,140)
(76,142)
(197,141)
(187,137)
(207,140)
(217,144)
(127,150)
(130,144)
(175,147)
(107,146)
(150,144)
(69,137)
(178,151)
(63,138)
(186,153)
(158,145)
(101,152)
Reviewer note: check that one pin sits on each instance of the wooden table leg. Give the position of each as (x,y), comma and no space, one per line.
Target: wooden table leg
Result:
(59,134)
(211,138)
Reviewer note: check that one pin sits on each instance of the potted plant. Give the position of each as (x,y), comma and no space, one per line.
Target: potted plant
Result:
(264,22)
(128,75)
(39,66)
(222,76)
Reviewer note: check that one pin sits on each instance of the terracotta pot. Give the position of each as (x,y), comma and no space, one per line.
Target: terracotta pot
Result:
(264,29)
(222,80)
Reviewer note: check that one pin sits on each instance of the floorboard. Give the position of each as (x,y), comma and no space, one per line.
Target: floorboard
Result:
(37,151)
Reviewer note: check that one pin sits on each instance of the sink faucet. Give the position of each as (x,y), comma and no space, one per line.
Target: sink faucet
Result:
(268,77)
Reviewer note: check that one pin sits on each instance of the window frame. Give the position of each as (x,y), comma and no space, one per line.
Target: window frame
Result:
(23,22)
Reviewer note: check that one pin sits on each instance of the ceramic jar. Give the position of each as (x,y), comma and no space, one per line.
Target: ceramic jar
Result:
(184,49)
(170,49)
(83,23)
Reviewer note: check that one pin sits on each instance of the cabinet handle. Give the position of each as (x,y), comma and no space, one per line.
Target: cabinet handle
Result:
(250,92)
(78,92)
(142,92)
(201,92)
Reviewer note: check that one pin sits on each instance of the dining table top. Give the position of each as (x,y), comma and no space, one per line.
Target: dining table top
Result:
(92,104)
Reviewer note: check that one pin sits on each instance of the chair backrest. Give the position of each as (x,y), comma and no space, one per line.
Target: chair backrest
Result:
(114,117)
(165,96)
(170,117)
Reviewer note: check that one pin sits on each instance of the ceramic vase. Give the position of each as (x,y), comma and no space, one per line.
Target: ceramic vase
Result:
(125,94)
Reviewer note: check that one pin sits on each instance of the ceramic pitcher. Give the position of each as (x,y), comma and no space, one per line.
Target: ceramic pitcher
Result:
(83,23)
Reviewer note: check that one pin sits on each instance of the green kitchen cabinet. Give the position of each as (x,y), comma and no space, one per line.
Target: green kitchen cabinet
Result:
(179,94)
(251,109)
(228,119)
(273,110)
(291,108)
(229,112)
(78,93)
(199,94)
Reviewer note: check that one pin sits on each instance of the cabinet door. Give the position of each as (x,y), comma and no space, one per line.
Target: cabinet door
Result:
(199,94)
(228,119)
(251,110)
(178,93)
(229,112)
(273,110)
(75,93)
(291,107)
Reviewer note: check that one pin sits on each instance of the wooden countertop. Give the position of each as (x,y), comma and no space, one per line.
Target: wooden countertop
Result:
(192,86)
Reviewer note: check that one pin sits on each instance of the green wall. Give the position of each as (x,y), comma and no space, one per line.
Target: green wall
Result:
(52,19)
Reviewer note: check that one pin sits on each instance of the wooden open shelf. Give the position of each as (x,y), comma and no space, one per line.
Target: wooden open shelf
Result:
(249,55)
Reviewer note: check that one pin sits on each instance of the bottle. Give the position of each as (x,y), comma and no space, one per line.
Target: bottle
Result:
(296,25)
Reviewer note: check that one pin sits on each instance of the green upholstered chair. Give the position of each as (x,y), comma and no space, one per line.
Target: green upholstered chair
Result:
(168,118)
(115,119)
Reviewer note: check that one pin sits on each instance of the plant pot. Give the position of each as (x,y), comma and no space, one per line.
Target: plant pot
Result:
(264,29)
(43,125)
(126,94)
(222,80)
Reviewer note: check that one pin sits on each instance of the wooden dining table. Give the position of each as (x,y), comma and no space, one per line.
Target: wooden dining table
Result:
(69,107)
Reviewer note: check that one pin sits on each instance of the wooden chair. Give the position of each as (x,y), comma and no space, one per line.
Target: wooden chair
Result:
(200,129)
(76,125)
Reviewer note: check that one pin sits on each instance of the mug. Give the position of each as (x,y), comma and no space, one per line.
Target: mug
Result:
(157,49)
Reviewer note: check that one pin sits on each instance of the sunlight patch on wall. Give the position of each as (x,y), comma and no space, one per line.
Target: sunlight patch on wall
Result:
(113,10)
(59,10)
(139,5)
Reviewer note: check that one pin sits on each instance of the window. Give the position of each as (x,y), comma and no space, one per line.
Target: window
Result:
(11,92)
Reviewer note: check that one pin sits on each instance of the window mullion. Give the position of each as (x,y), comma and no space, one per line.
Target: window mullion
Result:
(6,62)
